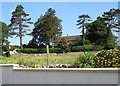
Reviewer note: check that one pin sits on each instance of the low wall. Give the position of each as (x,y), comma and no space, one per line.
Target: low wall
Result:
(11,74)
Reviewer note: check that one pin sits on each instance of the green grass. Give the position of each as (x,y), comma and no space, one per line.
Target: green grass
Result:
(31,61)
(41,60)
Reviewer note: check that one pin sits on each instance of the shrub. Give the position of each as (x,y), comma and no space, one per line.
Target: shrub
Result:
(82,48)
(98,47)
(118,47)
(84,61)
(33,50)
(87,42)
(110,45)
(107,58)
(40,50)
(55,50)
(13,47)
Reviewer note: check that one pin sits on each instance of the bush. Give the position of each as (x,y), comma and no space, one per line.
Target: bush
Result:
(82,48)
(55,50)
(84,61)
(107,58)
(40,50)
(13,47)
(118,47)
(98,47)
(33,50)
(110,45)
(87,42)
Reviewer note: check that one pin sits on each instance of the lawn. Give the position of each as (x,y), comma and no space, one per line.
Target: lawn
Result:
(38,61)
(31,61)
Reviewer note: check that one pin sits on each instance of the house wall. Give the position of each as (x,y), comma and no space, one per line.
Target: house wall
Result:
(13,75)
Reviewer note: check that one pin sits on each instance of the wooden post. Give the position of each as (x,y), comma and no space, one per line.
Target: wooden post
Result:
(48,55)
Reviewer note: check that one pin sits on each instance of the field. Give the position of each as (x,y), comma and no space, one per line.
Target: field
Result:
(31,61)
(38,61)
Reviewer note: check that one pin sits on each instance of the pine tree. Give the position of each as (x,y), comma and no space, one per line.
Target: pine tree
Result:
(47,28)
(82,22)
(4,34)
(111,19)
(19,23)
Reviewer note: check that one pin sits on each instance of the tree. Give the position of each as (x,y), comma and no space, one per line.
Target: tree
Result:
(19,23)
(4,34)
(111,19)
(96,32)
(47,28)
(82,22)
(63,44)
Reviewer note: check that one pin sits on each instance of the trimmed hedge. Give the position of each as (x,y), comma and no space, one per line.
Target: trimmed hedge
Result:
(40,50)
(82,48)
(98,47)
(55,50)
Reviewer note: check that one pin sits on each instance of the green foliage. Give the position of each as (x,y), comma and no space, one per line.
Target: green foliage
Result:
(87,42)
(96,32)
(112,21)
(63,44)
(40,50)
(47,28)
(33,50)
(82,23)
(13,47)
(110,45)
(84,61)
(5,31)
(98,47)
(82,48)
(75,43)
(38,61)
(107,58)
(19,23)
(4,34)
(55,50)
(111,18)
(118,47)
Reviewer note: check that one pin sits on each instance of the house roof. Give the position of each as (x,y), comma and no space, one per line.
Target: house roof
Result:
(71,38)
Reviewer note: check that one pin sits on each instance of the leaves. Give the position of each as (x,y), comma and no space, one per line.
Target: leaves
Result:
(19,22)
(4,34)
(82,23)
(47,28)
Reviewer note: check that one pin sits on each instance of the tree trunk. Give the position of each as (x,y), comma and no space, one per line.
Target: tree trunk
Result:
(108,34)
(53,44)
(83,35)
(21,42)
(20,32)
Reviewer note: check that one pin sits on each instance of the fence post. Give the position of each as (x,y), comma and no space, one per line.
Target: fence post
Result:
(48,56)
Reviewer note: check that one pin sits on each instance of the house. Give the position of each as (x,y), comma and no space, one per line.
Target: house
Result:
(69,39)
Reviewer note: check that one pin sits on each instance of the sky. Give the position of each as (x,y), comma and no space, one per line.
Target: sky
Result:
(67,11)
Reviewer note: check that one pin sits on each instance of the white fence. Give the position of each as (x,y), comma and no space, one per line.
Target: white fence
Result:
(13,75)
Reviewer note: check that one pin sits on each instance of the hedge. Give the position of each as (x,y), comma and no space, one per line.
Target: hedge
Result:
(82,48)
(40,50)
